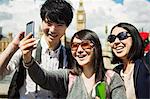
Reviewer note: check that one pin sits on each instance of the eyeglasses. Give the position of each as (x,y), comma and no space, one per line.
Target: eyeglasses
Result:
(120,36)
(84,44)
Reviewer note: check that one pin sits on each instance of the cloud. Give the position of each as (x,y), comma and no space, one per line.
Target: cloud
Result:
(99,13)
(20,12)
(5,16)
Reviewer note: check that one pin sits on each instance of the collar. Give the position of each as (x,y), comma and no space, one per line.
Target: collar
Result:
(45,47)
(129,74)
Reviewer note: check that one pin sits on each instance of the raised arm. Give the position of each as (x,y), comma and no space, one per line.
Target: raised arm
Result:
(7,54)
(51,80)
(27,44)
(54,80)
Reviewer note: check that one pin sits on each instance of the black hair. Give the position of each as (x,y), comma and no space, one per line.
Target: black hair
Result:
(137,49)
(58,11)
(86,34)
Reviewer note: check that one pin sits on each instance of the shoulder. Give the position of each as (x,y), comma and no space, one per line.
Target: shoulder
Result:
(143,63)
(112,76)
(109,75)
(72,79)
(114,79)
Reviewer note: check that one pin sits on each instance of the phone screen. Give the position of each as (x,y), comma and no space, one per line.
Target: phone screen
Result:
(30,28)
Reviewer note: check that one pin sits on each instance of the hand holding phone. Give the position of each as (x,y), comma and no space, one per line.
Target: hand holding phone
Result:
(30,28)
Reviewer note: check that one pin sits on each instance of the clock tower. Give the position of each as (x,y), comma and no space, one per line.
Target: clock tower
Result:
(81,17)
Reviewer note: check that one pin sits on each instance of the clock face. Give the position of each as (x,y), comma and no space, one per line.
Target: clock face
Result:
(80,17)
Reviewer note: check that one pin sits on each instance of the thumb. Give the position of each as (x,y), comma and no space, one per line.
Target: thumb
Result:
(20,35)
(18,38)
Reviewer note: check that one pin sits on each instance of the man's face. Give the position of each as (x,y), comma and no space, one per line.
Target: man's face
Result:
(53,31)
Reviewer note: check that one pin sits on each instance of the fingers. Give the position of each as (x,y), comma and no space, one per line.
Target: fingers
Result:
(21,35)
(28,36)
(25,52)
(16,40)
(97,97)
(27,44)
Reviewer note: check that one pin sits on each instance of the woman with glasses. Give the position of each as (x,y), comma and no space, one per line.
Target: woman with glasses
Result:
(88,78)
(128,52)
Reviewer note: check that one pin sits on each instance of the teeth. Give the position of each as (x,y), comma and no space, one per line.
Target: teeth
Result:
(81,56)
(119,48)
(53,35)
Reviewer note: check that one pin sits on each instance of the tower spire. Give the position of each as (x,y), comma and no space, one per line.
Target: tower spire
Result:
(81,5)
(81,16)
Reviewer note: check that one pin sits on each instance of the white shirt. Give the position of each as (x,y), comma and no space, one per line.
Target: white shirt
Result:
(129,84)
(49,61)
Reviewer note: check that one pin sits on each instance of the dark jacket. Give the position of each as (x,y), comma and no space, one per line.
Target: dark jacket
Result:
(141,77)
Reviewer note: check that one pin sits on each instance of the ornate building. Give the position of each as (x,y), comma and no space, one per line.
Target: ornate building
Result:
(106,51)
(4,41)
(40,33)
(81,17)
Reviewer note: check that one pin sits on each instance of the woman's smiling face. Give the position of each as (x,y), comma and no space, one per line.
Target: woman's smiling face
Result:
(122,47)
(82,51)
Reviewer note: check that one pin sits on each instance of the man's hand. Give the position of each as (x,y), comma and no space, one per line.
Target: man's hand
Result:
(26,45)
(17,39)
(7,54)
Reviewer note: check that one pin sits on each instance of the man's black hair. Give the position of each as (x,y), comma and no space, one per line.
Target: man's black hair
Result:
(58,11)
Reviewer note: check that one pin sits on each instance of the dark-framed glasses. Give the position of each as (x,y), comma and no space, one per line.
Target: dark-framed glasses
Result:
(84,44)
(121,36)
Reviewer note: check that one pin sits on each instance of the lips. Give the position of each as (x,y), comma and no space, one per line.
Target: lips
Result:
(52,34)
(81,57)
(119,49)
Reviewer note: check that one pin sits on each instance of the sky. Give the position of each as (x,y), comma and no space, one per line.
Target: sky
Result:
(14,14)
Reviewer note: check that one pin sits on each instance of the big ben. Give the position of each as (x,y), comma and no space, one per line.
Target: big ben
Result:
(81,17)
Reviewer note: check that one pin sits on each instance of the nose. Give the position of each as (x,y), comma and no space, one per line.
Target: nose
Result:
(117,40)
(80,49)
(52,27)
(115,43)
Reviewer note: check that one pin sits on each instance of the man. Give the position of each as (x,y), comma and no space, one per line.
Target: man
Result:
(56,16)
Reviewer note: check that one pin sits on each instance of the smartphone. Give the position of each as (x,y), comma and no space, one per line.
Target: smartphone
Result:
(30,28)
